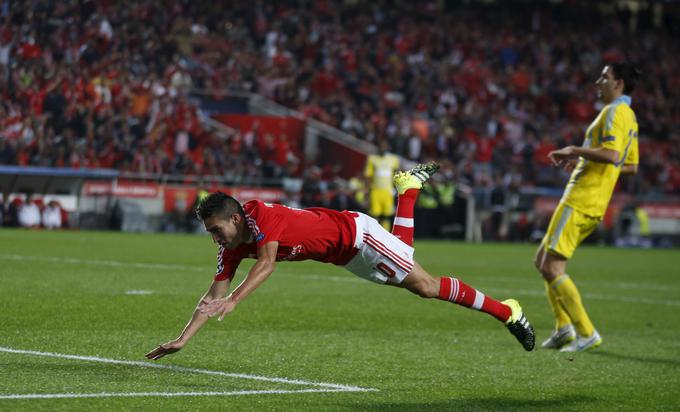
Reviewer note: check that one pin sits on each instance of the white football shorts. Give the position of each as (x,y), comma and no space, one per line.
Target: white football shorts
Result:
(381,255)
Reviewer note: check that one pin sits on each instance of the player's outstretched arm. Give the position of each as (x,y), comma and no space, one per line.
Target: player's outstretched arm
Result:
(217,290)
(562,157)
(266,261)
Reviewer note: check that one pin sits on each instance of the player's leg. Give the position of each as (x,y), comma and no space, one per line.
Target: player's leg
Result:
(382,205)
(568,227)
(375,204)
(384,259)
(454,290)
(553,270)
(388,210)
(564,332)
(408,185)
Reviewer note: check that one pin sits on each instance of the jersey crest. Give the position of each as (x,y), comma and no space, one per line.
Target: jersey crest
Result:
(254,228)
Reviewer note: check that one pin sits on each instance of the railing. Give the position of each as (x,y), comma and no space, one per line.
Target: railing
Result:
(221,130)
(260,105)
(205,180)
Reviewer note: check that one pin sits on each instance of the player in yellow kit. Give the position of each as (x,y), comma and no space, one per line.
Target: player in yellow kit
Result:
(379,170)
(609,149)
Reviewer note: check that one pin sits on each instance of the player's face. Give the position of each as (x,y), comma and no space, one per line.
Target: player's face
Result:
(224,232)
(607,86)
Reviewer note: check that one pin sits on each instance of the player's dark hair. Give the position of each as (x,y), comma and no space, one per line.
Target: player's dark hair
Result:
(218,204)
(628,73)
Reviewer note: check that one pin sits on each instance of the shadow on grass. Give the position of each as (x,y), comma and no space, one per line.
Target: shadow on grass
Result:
(569,402)
(644,359)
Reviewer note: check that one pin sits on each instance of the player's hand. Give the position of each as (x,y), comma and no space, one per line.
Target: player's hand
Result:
(570,165)
(167,348)
(221,307)
(559,158)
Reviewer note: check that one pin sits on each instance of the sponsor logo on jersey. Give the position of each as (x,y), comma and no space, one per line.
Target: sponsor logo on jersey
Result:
(295,250)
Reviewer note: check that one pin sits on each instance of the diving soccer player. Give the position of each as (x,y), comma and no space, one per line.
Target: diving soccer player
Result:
(271,232)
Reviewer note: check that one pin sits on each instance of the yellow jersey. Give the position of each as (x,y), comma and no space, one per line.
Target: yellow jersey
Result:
(380,170)
(591,183)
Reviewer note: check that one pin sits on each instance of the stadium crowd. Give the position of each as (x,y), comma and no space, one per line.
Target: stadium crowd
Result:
(105,84)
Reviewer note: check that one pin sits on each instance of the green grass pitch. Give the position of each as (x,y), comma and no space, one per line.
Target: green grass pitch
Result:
(115,296)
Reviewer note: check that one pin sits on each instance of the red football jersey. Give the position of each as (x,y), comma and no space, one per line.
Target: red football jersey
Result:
(316,233)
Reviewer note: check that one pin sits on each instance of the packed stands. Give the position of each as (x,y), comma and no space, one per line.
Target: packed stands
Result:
(105,84)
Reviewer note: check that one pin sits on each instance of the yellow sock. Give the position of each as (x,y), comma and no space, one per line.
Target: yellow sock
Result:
(562,318)
(567,294)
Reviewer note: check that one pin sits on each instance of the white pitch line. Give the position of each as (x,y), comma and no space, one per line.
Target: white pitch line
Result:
(162,394)
(138,292)
(174,368)
(114,263)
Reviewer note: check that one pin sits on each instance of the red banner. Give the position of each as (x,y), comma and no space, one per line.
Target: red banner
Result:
(121,189)
(351,160)
(290,127)
(177,197)
(180,198)
(658,210)
(545,205)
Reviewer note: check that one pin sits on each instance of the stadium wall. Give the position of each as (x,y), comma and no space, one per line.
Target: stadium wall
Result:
(105,201)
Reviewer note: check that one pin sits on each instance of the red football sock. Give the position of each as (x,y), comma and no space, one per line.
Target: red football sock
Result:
(456,291)
(403,219)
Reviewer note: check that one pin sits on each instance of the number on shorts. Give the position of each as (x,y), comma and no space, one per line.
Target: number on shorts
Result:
(386,270)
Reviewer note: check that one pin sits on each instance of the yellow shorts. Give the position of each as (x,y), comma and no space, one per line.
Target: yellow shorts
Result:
(382,202)
(568,227)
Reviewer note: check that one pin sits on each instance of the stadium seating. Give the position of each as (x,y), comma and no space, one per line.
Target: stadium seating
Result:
(105,84)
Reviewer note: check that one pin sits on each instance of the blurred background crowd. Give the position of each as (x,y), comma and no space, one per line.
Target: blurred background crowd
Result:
(107,84)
